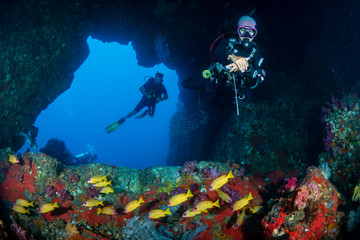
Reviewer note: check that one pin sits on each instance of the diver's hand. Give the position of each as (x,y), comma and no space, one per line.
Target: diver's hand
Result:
(158,99)
(148,96)
(239,63)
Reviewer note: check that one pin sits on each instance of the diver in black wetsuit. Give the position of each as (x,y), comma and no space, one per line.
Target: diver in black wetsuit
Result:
(153,92)
(238,61)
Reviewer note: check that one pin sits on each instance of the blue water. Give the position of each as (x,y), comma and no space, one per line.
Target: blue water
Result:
(105,88)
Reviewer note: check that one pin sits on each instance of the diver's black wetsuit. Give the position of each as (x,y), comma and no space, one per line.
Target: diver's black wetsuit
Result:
(254,73)
(155,90)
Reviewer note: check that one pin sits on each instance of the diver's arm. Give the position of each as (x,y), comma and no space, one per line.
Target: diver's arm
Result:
(165,95)
(143,91)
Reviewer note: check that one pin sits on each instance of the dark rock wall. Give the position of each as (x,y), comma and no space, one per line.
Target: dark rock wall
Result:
(42,43)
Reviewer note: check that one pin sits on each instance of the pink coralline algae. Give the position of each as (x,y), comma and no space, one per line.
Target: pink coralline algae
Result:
(302,196)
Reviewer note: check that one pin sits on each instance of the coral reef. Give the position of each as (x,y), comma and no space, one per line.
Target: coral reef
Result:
(292,205)
(311,212)
(342,141)
(155,185)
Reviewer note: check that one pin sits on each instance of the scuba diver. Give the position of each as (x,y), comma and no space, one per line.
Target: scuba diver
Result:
(242,59)
(153,92)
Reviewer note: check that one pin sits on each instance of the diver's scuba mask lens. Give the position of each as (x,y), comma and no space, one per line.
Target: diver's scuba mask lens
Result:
(242,30)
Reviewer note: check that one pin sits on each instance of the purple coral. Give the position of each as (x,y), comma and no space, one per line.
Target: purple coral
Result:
(239,172)
(20,233)
(199,198)
(329,135)
(178,191)
(194,187)
(92,192)
(189,167)
(64,195)
(163,197)
(211,173)
(50,190)
(74,178)
(233,193)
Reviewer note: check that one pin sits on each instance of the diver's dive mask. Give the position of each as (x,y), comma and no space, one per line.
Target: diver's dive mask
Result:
(249,31)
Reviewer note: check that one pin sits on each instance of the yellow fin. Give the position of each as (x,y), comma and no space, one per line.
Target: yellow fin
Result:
(230,175)
(216,204)
(168,211)
(189,194)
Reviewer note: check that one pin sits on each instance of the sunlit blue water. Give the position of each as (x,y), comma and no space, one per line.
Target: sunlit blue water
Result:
(105,88)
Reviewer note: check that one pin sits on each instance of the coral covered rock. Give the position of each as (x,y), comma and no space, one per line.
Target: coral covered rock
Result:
(311,212)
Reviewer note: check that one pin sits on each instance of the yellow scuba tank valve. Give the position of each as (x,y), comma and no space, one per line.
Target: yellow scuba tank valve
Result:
(206,73)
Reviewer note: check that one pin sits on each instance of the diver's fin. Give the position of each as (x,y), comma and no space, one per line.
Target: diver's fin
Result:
(115,125)
(142,115)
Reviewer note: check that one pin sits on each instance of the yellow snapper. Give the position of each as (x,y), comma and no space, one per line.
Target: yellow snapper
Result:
(256,209)
(158,213)
(106,190)
(107,210)
(24,203)
(220,181)
(191,213)
(224,196)
(20,209)
(13,159)
(240,219)
(131,206)
(97,178)
(93,203)
(179,198)
(204,205)
(242,202)
(102,184)
(48,207)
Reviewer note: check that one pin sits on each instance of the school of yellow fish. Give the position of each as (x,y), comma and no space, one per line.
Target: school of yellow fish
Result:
(102,183)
